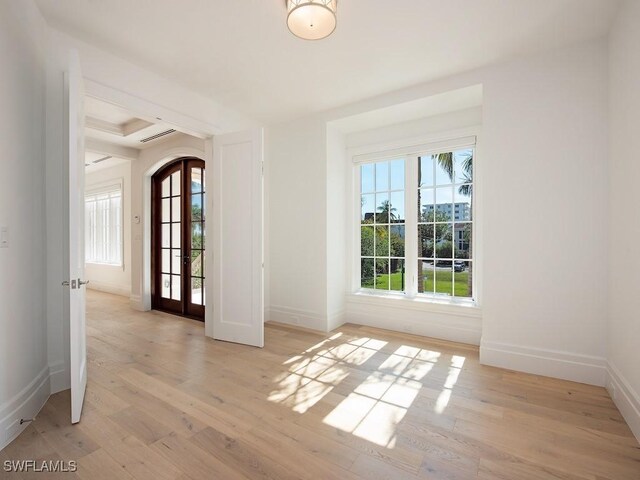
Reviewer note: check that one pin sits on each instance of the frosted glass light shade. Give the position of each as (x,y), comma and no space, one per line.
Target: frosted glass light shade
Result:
(311,19)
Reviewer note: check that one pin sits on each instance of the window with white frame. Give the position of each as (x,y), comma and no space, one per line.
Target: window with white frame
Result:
(103,225)
(416,222)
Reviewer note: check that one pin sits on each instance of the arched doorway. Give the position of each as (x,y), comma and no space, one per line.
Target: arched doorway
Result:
(177,238)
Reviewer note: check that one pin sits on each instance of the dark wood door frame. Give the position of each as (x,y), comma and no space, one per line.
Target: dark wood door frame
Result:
(184,306)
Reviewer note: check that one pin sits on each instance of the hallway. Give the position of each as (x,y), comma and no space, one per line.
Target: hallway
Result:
(164,402)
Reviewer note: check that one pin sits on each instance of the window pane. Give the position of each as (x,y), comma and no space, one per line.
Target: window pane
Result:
(444,245)
(366,273)
(368,208)
(382,274)
(463,166)
(425,205)
(166,260)
(166,286)
(425,240)
(462,197)
(175,184)
(396,212)
(425,276)
(462,240)
(382,207)
(444,204)
(176,209)
(196,207)
(166,235)
(166,210)
(397,175)
(444,278)
(382,176)
(176,261)
(166,187)
(196,291)
(196,180)
(444,168)
(382,241)
(367,183)
(462,283)
(204,206)
(197,263)
(175,235)
(366,241)
(176,287)
(197,235)
(397,241)
(425,171)
(397,275)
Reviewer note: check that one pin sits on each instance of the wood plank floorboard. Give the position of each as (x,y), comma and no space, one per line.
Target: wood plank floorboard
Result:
(164,402)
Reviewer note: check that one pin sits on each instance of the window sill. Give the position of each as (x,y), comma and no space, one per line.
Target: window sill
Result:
(97,264)
(425,304)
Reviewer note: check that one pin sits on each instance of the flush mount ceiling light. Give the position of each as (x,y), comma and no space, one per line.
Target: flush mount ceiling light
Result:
(311,19)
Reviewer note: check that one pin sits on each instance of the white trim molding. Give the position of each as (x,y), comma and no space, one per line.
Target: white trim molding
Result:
(25,404)
(296,317)
(59,377)
(625,397)
(446,322)
(113,288)
(336,319)
(550,363)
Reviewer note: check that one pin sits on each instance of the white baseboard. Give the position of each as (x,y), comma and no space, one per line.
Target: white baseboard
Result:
(336,319)
(550,363)
(296,317)
(408,318)
(59,378)
(135,301)
(114,289)
(625,397)
(26,404)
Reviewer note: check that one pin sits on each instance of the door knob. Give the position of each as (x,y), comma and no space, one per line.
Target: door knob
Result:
(80,282)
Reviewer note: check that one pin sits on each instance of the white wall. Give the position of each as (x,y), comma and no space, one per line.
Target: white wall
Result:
(337,248)
(545,205)
(113,278)
(297,204)
(543,161)
(624,222)
(24,370)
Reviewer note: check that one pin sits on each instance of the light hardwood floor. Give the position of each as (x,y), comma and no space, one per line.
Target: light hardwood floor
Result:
(164,402)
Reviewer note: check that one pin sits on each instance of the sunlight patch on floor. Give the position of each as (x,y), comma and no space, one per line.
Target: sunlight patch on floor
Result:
(375,407)
(379,404)
(315,372)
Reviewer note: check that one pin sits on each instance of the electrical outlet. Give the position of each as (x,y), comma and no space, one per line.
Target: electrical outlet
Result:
(408,328)
(295,320)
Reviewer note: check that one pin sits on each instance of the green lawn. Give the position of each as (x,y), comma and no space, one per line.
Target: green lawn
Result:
(443,282)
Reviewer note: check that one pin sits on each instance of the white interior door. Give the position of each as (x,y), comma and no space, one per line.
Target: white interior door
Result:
(238,298)
(77,290)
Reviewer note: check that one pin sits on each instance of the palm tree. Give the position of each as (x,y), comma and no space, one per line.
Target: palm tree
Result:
(387,210)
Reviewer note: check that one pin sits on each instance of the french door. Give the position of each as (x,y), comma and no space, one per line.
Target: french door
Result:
(177,238)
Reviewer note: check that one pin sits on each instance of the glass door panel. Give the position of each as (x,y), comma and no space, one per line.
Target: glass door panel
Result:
(178,238)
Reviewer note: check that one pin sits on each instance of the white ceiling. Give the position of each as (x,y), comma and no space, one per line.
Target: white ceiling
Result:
(240,53)
(113,134)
